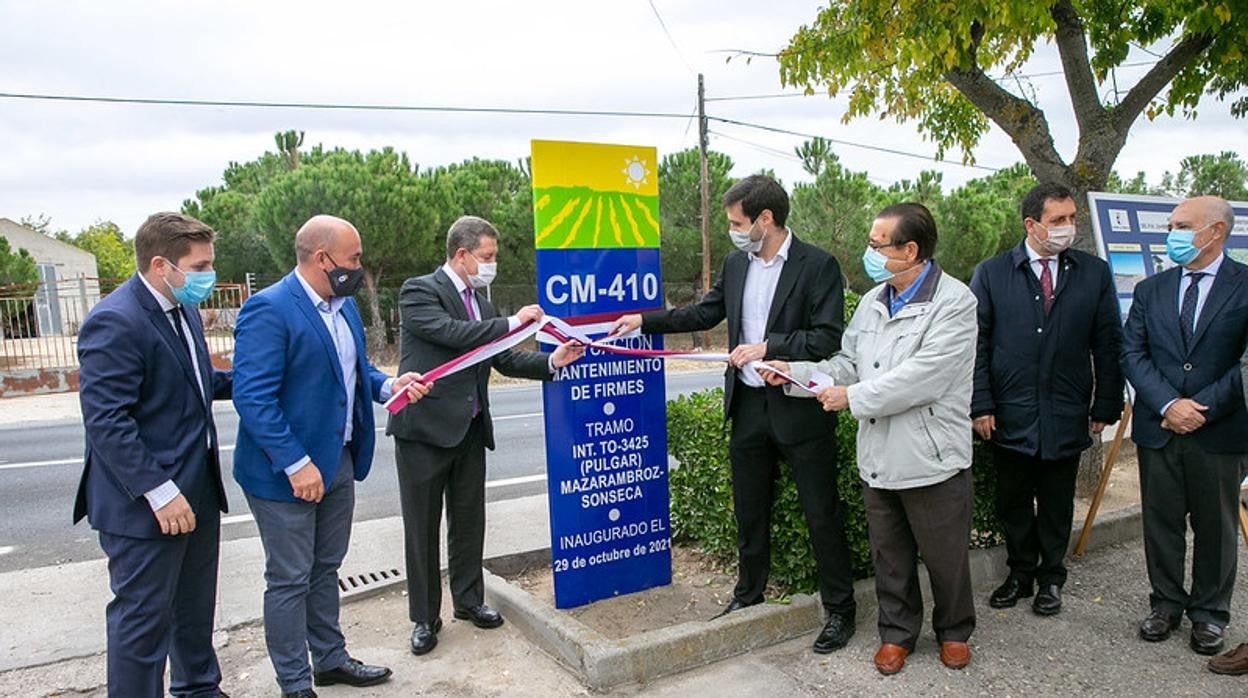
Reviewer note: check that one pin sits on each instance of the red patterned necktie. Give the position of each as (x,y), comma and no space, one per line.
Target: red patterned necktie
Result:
(1046,285)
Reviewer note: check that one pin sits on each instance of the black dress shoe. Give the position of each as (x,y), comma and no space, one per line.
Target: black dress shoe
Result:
(835,634)
(425,637)
(1010,591)
(304,693)
(1206,638)
(734,605)
(1158,626)
(1048,601)
(353,673)
(481,616)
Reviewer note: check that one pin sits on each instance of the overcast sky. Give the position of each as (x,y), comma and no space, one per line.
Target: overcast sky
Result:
(80,162)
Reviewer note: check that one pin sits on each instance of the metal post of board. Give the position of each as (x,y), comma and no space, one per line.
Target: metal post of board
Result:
(1110,459)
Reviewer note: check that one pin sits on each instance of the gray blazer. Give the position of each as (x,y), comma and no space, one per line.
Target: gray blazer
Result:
(436,329)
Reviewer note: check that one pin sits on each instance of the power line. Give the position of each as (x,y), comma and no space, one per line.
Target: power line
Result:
(671,39)
(758,146)
(338,107)
(876,148)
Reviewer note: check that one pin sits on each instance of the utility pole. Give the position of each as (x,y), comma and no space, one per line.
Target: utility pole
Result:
(706,196)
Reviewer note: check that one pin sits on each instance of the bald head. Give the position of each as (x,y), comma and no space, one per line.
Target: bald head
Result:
(1211,219)
(329,233)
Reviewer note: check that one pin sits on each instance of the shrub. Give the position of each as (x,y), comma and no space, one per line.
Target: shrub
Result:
(701,493)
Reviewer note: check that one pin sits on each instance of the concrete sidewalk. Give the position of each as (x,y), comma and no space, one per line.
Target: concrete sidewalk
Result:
(1090,649)
(54,613)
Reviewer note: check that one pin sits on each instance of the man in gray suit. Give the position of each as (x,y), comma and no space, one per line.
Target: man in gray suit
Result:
(440,442)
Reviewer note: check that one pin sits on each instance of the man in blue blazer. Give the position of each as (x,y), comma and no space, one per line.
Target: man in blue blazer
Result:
(303,391)
(1182,344)
(151,482)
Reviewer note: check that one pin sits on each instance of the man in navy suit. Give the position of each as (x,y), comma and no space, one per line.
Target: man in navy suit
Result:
(1182,344)
(1046,374)
(304,390)
(151,483)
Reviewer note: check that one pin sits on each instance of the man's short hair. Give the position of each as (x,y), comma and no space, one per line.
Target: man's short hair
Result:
(466,232)
(914,224)
(168,235)
(758,193)
(1034,200)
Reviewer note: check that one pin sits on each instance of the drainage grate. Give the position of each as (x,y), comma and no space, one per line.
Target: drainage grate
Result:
(368,583)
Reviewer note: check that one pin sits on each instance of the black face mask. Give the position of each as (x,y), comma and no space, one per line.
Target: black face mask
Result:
(344,282)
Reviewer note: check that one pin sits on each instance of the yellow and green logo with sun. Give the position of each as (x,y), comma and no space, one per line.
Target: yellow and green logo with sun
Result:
(594,195)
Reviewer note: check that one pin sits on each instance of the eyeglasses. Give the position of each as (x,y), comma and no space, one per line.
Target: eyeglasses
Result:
(874,246)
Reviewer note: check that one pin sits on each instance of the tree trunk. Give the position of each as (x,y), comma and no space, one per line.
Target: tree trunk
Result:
(374,306)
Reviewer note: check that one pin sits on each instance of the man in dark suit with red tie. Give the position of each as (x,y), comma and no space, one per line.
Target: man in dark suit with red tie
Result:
(440,442)
(1046,381)
(151,483)
(1182,345)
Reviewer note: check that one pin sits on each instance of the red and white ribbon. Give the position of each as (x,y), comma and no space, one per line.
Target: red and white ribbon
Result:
(553,330)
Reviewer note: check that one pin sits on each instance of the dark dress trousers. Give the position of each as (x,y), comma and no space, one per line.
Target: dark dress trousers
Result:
(291,397)
(440,443)
(1196,475)
(805,323)
(147,422)
(1044,376)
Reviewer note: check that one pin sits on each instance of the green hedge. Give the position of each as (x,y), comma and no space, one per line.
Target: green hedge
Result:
(701,492)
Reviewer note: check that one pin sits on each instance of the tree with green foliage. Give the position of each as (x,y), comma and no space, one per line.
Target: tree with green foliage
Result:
(229,208)
(114,254)
(402,218)
(501,193)
(835,210)
(17,267)
(934,62)
(680,215)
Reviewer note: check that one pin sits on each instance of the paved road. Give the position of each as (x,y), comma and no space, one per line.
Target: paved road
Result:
(40,467)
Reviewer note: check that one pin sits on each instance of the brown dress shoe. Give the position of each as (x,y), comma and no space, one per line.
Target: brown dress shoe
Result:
(1233,663)
(890,658)
(955,655)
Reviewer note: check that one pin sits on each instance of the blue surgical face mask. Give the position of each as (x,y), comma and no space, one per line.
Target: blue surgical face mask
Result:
(196,288)
(875,263)
(1180,246)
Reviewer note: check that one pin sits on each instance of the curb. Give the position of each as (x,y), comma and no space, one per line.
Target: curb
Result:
(603,663)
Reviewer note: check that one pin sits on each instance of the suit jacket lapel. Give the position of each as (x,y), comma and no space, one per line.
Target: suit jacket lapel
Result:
(164,326)
(734,295)
(1169,289)
(788,278)
(1224,285)
(451,300)
(195,322)
(313,316)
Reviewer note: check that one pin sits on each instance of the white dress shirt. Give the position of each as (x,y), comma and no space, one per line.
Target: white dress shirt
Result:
(1202,294)
(167,491)
(1037,268)
(344,345)
(761,278)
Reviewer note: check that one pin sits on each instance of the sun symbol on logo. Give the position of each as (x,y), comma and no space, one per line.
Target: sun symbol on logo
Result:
(635,171)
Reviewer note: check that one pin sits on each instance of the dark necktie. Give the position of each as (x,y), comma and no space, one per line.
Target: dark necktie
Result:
(472,315)
(1046,285)
(1187,313)
(175,314)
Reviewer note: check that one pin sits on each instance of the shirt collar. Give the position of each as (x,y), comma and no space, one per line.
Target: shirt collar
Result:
(319,303)
(165,304)
(460,286)
(906,295)
(782,254)
(1033,256)
(1211,270)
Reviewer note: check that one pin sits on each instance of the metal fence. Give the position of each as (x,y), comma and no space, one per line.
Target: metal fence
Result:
(39,323)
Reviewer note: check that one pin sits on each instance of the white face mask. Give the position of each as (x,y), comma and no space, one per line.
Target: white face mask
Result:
(743,242)
(1060,238)
(486,271)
